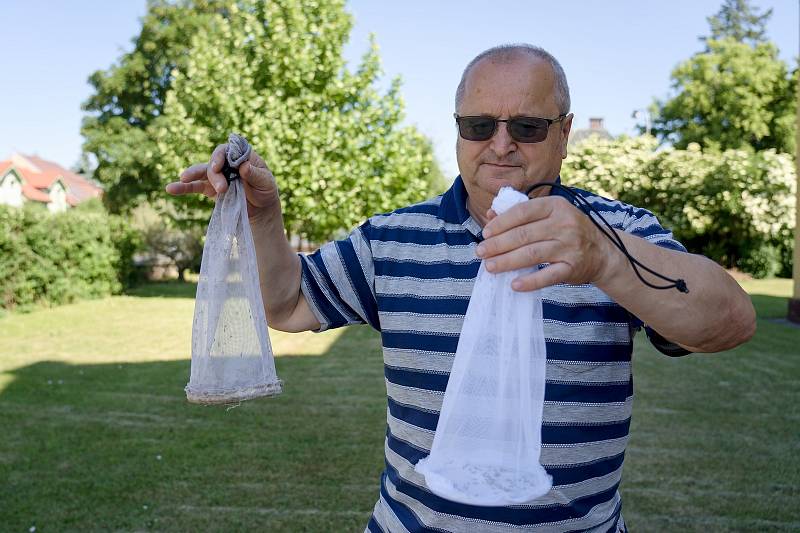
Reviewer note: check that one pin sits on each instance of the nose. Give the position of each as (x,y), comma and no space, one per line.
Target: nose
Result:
(502,144)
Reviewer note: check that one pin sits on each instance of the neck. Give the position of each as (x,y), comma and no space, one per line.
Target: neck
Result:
(478,212)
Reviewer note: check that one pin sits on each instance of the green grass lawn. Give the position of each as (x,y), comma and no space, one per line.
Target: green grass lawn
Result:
(97,434)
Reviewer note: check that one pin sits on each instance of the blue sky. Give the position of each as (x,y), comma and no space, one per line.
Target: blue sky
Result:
(617,54)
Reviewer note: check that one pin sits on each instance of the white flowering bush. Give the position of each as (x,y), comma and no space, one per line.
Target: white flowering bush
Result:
(736,207)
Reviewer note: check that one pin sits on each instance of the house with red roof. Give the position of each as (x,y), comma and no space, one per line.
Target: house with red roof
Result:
(25,178)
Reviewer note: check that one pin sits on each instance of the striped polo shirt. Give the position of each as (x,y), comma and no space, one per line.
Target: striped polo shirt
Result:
(409,274)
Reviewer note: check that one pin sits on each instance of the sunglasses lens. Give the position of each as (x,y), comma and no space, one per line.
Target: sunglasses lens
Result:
(521,129)
(528,130)
(476,128)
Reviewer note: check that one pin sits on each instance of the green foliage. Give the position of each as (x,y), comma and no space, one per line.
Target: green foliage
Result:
(55,259)
(736,207)
(437,181)
(131,94)
(274,72)
(162,237)
(740,21)
(127,241)
(731,96)
(736,99)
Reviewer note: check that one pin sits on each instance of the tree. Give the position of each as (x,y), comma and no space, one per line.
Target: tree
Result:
(732,96)
(130,95)
(274,72)
(738,20)
(735,94)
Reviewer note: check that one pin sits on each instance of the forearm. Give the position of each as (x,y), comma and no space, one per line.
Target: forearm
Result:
(280,274)
(715,315)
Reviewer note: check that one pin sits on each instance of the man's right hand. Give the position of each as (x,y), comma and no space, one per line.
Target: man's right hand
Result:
(260,187)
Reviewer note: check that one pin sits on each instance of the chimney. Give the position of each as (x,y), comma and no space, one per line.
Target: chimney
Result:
(596,123)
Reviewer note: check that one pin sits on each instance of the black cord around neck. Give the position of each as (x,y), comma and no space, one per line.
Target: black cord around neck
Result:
(587,208)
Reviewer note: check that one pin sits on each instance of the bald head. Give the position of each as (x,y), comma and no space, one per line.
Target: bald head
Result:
(508,53)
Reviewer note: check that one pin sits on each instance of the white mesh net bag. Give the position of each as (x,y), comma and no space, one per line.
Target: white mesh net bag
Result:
(231,352)
(488,439)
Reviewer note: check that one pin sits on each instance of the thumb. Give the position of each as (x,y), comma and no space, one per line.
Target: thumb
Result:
(256,173)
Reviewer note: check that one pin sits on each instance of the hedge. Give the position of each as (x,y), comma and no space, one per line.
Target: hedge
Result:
(51,259)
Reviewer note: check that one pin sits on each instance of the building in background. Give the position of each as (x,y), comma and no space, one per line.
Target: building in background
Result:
(596,129)
(26,178)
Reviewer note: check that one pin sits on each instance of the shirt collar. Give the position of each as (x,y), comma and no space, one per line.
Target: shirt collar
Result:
(453,207)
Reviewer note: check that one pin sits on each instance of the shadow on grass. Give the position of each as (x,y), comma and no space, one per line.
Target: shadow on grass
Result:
(164,289)
(116,446)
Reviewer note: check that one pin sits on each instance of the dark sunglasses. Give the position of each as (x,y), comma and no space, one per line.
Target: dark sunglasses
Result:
(521,129)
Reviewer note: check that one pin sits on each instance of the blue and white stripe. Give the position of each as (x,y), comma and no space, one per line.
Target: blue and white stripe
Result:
(409,274)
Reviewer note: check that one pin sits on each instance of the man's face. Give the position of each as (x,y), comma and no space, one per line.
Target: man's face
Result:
(523,87)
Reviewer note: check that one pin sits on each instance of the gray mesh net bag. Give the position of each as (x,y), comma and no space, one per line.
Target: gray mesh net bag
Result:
(231,352)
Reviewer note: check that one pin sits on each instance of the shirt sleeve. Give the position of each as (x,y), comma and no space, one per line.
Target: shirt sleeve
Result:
(338,282)
(644,224)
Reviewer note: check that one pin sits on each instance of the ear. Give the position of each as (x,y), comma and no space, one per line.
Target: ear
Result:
(565,129)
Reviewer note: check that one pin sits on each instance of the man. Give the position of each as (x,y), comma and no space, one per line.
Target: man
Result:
(410,273)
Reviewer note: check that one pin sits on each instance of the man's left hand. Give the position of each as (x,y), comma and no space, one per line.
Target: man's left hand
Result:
(545,230)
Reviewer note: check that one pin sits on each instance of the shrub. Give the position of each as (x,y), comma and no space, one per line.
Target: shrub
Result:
(58,258)
(163,239)
(736,207)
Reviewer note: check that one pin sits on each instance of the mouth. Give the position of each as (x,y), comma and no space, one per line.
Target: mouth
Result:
(500,170)
(496,165)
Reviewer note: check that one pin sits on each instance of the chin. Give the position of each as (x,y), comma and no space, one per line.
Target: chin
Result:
(495,183)
(487,185)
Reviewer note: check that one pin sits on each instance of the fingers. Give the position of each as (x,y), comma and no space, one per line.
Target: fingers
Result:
(209,172)
(194,173)
(207,178)
(516,237)
(218,157)
(524,257)
(214,169)
(202,187)
(550,275)
(521,213)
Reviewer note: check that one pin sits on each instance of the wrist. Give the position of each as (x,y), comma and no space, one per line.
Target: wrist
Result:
(266,213)
(612,261)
